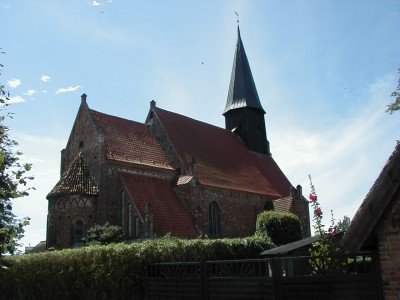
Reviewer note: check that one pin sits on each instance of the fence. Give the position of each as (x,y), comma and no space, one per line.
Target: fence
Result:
(276,278)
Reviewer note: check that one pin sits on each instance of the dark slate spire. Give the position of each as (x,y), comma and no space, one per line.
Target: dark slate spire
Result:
(242,90)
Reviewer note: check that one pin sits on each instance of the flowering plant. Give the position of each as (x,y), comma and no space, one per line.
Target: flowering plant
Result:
(326,255)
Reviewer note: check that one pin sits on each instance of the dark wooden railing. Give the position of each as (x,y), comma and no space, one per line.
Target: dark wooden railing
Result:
(274,278)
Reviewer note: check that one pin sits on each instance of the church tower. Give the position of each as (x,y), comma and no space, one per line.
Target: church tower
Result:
(243,113)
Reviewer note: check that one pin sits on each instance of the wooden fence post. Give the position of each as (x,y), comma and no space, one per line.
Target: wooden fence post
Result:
(277,277)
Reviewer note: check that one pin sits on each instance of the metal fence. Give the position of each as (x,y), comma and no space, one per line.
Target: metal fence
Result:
(358,277)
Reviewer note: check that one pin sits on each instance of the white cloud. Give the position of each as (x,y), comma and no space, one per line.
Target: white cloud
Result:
(6,6)
(95,3)
(345,159)
(45,78)
(13,83)
(44,91)
(69,89)
(30,93)
(15,99)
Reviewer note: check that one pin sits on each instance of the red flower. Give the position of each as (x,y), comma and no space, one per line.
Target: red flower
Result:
(313,198)
(331,231)
(318,212)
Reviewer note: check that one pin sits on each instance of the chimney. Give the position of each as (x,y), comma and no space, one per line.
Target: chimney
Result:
(152,104)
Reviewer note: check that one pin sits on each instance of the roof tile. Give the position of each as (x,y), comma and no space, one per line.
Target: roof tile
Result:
(169,214)
(130,142)
(76,180)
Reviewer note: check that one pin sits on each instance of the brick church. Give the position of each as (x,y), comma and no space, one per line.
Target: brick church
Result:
(171,174)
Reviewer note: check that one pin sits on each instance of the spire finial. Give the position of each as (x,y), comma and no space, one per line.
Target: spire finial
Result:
(237,18)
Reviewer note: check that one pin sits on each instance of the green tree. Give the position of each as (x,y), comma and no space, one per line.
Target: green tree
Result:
(392,107)
(344,223)
(281,227)
(13,183)
(103,234)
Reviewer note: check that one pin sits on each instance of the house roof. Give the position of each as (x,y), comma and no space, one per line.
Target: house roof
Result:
(374,204)
(285,249)
(221,158)
(76,180)
(129,142)
(242,89)
(169,214)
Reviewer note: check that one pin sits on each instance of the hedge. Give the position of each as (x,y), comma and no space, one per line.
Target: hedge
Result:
(113,271)
(281,227)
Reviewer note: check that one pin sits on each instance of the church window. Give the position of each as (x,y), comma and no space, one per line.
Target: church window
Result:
(213,219)
(78,232)
(137,228)
(123,216)
(130,220)
(80,145)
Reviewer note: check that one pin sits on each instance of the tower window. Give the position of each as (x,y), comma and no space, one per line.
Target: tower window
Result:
(213,219)
(80,145)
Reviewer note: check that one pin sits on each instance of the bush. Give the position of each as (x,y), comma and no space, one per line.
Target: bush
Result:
(103,235)
(282,228)
(113,271)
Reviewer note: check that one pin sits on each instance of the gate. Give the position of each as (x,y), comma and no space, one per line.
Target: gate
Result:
(274,278)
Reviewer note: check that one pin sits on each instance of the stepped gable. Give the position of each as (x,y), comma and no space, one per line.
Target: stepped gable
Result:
(77,180)
(169,214)
(129,142)
(222,159)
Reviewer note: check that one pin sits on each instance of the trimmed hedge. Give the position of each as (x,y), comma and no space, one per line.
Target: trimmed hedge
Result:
(281,227)
(113,271)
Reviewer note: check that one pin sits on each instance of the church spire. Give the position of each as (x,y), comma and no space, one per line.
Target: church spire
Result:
(243,113)
(242,89)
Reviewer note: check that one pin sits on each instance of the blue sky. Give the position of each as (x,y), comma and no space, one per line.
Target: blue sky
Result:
(324,71)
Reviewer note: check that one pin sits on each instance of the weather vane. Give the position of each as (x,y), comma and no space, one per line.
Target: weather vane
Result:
(237,17)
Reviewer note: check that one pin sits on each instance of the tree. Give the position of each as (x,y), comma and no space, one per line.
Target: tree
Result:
(392,107)
(13,183)
(344,223)
(103,234)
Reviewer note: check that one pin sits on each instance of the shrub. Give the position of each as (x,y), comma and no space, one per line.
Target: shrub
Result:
(282,228)
(103,235)
(112,271)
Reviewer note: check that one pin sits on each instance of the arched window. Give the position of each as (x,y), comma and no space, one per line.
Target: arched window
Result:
(78,231)
(137,228)
(123,216)
(130,220)
(213,220)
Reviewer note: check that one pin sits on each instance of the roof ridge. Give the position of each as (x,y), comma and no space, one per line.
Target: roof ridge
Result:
(113,116)
(195,120)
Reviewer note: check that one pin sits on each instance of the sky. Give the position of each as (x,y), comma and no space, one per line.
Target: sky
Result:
(324,71)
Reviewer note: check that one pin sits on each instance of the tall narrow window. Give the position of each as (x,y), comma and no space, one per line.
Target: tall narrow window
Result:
(130,220)
(78,232)
(213,219)
(137,228)
(123,216)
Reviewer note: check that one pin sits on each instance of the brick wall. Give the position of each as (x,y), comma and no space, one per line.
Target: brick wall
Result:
(388,233)
(238,210)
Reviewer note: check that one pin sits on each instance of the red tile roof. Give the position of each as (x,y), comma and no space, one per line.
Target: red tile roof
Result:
(77,180)
(222,159)
(129,142)
(169,213)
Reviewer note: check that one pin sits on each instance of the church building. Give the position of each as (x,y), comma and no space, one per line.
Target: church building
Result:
(171,174)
